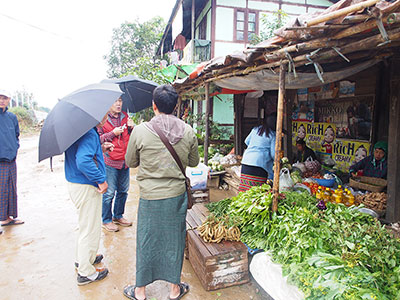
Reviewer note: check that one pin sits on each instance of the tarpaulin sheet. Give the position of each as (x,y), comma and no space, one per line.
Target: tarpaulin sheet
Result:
(267,80)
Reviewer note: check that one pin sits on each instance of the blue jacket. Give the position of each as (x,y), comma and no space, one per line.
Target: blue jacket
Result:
(260,151)
(9,136)
(84,161)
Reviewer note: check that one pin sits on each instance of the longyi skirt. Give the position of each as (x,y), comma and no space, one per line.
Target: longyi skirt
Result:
(8,190)
(160,240)
(251,176)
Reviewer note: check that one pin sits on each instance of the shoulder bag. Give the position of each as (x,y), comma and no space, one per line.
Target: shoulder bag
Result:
(178,161)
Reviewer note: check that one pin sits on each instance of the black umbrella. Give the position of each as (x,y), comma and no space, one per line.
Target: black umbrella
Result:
(74,115)
(138,93)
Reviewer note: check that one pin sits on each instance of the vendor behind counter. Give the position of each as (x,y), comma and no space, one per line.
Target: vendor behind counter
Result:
(303,152)
(374,165)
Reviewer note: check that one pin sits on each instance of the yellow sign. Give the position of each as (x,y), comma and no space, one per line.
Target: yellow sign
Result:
(321,137)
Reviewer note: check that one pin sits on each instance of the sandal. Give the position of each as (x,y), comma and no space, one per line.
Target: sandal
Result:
(129,291)
(13,222)
(183,289)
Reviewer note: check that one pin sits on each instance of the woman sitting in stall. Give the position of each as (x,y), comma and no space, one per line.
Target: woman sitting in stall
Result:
(303,152)
(374,165)
(258,158)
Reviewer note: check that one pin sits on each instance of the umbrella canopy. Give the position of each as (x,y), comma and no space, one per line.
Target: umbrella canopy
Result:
(74,115)
(138,93)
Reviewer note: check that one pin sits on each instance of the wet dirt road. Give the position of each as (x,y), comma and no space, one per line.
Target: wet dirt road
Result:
(36,259)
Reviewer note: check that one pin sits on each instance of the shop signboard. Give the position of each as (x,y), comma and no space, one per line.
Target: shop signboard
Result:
(351,116)
(321,137)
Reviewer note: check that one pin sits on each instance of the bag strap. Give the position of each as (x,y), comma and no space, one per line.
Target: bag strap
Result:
(169,147)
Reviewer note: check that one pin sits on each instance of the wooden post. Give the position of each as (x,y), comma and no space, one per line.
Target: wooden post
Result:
(193,28)
(278,142)
(207,123)
(291,94)
(393,188)
(179,108)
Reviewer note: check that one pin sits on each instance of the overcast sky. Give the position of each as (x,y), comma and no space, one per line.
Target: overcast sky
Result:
(51,48)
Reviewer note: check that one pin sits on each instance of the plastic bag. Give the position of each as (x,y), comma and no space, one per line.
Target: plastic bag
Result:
(300,166)
(198,176)
(312,165)
(285,181)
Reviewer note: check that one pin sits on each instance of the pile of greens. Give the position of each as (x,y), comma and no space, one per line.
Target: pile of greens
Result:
(338,253)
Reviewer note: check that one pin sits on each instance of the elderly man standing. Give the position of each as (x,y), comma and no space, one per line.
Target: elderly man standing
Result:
(116,130)
(161,226)
(9,144)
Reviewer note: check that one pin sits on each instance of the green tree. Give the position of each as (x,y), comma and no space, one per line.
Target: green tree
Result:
(270,23)
(133,52)
(26,118)
(133,44)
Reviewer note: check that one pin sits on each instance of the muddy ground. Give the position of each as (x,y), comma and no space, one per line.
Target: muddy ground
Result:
(36,259)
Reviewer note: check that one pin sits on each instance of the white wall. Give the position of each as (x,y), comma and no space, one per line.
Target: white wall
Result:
(263,5)
(222,49)
(236,3)
(224,24)
(292,9)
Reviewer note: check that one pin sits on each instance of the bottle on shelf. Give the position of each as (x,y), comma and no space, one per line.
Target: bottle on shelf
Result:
(327,195)
(337,196)
(318,194)
(350,198)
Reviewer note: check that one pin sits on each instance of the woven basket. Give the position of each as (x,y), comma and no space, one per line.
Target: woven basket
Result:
(372,184)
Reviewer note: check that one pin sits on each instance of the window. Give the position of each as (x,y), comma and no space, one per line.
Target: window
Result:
(245,25)
(203,29)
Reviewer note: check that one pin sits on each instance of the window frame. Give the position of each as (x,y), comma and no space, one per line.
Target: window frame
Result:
(246,24)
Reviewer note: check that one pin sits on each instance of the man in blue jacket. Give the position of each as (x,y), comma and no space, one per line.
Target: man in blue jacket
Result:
(9,144)
(86,176)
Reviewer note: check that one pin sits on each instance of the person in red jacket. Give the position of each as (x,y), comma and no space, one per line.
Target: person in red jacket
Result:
(116,130)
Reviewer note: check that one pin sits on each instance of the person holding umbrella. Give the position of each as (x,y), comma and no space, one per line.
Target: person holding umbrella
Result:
(116,130)
(161,227)
(70,128)
(86,176)
(9,141)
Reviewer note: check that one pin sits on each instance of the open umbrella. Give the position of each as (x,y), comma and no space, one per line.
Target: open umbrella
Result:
(74,115)
(138,93)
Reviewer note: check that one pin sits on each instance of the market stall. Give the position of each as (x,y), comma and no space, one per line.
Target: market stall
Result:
(347,60)
(343,73)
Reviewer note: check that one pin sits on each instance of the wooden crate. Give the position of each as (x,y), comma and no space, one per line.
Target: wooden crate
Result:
(200,196)
(216,265)
(213,182)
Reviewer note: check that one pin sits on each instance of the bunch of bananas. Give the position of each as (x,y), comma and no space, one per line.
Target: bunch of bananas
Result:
(214,231)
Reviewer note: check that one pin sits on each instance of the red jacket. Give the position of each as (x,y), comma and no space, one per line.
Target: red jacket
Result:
(120,142)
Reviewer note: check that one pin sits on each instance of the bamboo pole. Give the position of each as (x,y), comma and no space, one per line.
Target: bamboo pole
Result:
(321,27)
(356,29)
(278,141)
(207,123)
(179,107)
(340,12)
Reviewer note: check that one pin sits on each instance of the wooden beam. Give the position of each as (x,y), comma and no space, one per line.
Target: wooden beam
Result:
(193,25)
(341,12)
(179,107)
(321,27)
(207,124)
(291,94)
(278,142)
(393,188)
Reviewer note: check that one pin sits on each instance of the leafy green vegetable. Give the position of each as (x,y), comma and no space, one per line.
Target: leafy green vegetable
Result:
(338,253)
